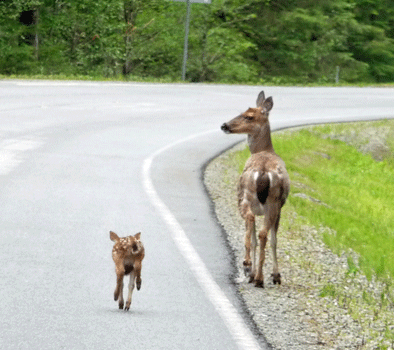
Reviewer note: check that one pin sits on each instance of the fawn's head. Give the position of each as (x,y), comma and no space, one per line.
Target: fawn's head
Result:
(130,244)
(252,120)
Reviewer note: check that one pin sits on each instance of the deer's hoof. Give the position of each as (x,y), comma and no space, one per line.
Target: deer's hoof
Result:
(251,278)
(247,268)
(259,284)
(138,285)
(276,278)
(120,306)
(127,308)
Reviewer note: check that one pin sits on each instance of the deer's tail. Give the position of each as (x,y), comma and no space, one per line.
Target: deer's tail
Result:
(263,184)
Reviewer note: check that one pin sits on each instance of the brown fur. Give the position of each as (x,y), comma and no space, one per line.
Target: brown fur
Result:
(127,253)
(263,186)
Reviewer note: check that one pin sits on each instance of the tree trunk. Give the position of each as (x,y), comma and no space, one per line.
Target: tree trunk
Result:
(130,15)
(36,41)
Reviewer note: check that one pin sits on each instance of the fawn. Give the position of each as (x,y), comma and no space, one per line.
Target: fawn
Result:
(127,253)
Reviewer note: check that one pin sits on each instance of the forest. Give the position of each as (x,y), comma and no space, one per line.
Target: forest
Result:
(230,41)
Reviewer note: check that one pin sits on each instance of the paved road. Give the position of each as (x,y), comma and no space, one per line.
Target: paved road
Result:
(80,159)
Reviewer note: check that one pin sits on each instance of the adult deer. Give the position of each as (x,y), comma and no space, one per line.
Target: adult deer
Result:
(263,186)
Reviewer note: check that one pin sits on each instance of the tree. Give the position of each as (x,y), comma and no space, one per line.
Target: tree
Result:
(230,40)
(218,49)
(373,41)
(18,35)
(303,43)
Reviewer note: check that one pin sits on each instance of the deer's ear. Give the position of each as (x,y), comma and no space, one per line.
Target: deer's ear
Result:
(268,104)
(137,235)
(113,236)
(260,99)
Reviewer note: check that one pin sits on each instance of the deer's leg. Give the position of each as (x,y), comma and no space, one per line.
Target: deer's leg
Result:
(269,221)
(263,241)
(253,253)
(131,288)
(250,232)
(274,231)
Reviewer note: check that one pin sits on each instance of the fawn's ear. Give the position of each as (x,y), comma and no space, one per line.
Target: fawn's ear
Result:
(137,235)
(113,236)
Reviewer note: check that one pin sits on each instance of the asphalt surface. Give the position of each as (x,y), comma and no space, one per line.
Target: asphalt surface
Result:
(78,159)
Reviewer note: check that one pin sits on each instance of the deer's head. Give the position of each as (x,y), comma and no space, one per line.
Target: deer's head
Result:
(252,120)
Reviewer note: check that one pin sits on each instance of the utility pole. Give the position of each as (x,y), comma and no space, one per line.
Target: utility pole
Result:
(187,25)
(186,43)
(337,76)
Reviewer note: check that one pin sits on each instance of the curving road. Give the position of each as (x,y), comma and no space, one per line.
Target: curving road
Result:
(78,159)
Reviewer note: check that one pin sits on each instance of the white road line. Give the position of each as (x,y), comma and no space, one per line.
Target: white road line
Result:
(234,322)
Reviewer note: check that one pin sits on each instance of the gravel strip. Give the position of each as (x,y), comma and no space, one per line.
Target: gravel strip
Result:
(313,307)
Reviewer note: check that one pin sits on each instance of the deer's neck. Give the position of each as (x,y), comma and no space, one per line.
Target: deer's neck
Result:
(261,140)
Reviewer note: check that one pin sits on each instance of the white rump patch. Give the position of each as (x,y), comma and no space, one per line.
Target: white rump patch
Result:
(271,178)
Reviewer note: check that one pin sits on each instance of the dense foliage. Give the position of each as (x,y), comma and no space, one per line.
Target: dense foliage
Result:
(256,41)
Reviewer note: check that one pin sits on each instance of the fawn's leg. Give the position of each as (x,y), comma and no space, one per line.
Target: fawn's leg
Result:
(131,288)
(118,294)
(121,301)
(137,268)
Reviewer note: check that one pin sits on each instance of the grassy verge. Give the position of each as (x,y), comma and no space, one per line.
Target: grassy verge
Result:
(343,184)
(67,77)
(176,80)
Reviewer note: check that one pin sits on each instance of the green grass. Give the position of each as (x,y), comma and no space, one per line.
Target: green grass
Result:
(99,78)
(356,191)
(177,79)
